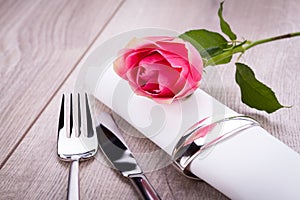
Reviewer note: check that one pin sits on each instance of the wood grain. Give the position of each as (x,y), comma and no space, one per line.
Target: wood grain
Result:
(41,42)
(33,170)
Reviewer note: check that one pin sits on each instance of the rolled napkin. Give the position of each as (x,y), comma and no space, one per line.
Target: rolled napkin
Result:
(250,164)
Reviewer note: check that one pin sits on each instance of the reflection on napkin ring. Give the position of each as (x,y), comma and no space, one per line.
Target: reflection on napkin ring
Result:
(205,134)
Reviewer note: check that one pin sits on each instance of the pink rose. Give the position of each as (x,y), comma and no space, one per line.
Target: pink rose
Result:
(161,68)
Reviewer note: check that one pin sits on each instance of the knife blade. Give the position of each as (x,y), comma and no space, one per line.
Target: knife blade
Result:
(117,152)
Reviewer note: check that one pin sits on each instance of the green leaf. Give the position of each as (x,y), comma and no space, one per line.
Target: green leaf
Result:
(224,25)
(254,93)
(208,44)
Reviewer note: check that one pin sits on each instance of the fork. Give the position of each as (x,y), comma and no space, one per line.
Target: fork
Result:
(75,143)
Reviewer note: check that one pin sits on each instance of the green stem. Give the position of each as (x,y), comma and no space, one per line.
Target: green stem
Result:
(246,46)
(289,35)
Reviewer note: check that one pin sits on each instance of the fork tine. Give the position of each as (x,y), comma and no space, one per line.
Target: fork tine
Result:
(71,115)
(90,131)
(61,122)
(79,115)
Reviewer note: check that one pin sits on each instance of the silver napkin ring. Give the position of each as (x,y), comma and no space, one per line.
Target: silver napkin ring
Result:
(204,134)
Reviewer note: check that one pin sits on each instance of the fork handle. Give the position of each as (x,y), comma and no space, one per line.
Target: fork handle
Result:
(73,183)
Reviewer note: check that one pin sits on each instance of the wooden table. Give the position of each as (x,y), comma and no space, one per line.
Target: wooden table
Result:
(41,46)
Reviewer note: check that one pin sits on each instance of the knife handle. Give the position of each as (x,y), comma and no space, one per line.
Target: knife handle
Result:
(143,186)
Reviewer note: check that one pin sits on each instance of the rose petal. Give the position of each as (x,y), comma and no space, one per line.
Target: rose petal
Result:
(153,57)
(174,47)
(175,61)
(133,58)
(196,63)
(167,76)
(146,42)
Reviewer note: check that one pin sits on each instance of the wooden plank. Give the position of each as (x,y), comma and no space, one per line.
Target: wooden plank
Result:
(47,177)
(41,42)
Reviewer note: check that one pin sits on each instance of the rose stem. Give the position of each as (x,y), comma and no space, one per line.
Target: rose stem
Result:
(247,46)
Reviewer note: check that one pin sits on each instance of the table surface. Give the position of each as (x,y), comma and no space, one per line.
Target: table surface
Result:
(41,46)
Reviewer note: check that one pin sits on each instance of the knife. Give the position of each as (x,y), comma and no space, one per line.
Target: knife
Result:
(114,148)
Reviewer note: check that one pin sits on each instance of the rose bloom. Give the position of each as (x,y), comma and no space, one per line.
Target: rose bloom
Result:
(162,68)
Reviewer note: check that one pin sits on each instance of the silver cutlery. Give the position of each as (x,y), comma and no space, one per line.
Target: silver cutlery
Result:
(76,139)
(115,149)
